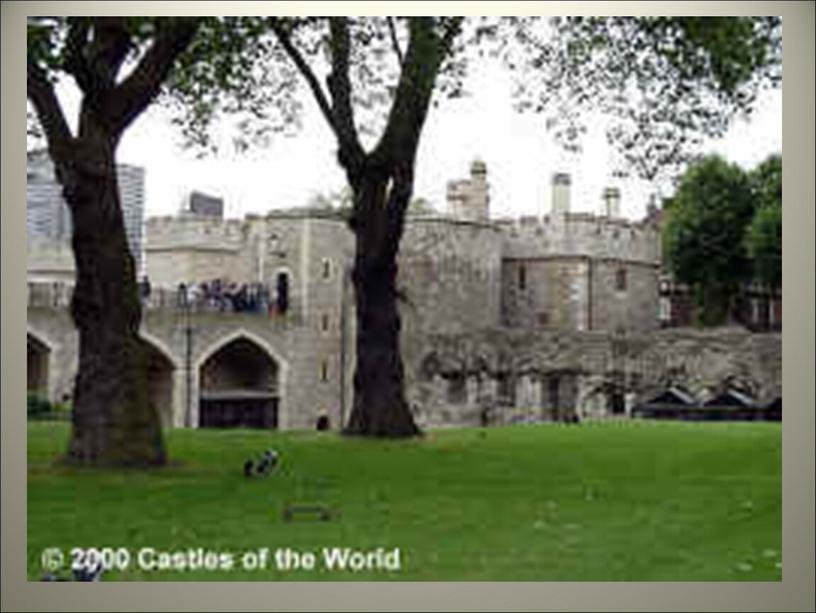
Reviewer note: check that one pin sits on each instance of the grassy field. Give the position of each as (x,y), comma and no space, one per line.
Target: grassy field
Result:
(623,501)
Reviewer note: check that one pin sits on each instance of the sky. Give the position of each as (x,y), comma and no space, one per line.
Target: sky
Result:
(519,154)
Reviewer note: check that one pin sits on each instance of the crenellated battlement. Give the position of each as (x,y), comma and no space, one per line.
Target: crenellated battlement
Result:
(195,232)
(580,234)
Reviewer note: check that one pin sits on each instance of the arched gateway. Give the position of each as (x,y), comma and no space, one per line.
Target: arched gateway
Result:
(239,384)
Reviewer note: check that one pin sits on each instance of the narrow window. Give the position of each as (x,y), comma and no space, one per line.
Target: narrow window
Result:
(282,287)
(522,278)
(620,280)
(324,322)
(326,268)
(324,371)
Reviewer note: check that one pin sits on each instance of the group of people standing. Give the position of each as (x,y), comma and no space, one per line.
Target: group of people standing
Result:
(223,296)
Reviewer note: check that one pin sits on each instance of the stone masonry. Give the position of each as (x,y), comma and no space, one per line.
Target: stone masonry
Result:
(504,320)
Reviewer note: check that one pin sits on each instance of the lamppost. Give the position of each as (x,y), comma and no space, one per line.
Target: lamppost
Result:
(183,302)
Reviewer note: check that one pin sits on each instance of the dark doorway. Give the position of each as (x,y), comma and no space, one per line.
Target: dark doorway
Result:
(239,388)
(617,403)
(323,423)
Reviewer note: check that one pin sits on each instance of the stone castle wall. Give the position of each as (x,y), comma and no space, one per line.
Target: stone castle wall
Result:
(450,275)
(453,379)
(521,319)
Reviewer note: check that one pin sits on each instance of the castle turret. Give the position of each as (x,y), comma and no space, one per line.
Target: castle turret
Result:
(560,193)
(468,198)
(478,205)
(611,199)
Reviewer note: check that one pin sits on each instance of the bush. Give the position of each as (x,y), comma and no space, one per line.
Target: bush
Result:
(41,409)
(38,407)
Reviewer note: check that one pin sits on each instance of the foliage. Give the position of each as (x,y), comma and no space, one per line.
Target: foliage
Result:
(764,235)
(631,501)
(662,83)
(37,406)
(704,236)
(233,70)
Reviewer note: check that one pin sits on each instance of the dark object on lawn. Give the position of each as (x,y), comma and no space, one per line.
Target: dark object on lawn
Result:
(264,466)
(321,511)
(268,462)
(572,418)
(248,468)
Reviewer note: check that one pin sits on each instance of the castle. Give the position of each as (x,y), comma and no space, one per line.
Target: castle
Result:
(515,319)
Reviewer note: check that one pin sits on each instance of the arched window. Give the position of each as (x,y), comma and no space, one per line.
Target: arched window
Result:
(326,268)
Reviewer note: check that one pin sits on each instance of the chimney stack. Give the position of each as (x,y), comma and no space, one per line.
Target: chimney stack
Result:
(611,198)
(560,193)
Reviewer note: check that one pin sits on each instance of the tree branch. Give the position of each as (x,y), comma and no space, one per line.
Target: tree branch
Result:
(75,63)
(303,67)
(410,107)
(451,30)
(134,94)
(107,50)
(394,41)
(41,93)
(351,152)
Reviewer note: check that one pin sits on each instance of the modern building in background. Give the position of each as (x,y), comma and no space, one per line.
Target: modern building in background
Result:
(49,219)
(203,204)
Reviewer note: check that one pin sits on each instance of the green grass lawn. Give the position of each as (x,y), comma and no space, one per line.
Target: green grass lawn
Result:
(623,501)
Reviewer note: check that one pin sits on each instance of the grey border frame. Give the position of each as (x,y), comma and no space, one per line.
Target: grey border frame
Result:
(794,593)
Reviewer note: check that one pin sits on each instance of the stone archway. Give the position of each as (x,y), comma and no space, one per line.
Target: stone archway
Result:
(38,357)
(239,386)
(161,371)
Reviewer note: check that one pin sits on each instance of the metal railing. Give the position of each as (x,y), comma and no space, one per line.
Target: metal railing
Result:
(57,295)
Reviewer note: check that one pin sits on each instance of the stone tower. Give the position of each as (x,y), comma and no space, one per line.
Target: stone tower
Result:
(468,198)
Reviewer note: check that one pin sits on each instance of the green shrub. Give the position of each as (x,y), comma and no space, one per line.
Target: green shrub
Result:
(38,407)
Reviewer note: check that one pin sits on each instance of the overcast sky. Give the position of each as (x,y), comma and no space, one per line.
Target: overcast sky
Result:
(520,157)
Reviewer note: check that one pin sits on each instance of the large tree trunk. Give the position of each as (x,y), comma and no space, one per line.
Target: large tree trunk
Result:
(113,420)
(379,407)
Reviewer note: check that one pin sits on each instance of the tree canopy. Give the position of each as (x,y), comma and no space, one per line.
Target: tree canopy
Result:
(764,234)
(661,84)
(723,230)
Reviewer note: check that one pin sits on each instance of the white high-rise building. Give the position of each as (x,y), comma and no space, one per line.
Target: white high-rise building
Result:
(48,216)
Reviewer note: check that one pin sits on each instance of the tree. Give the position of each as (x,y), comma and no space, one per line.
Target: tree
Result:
(764,234)
(704,237)
(666,81)
(113,420)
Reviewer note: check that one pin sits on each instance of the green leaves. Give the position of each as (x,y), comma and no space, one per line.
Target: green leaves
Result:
(721,234)
(664,83)
(764,235)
